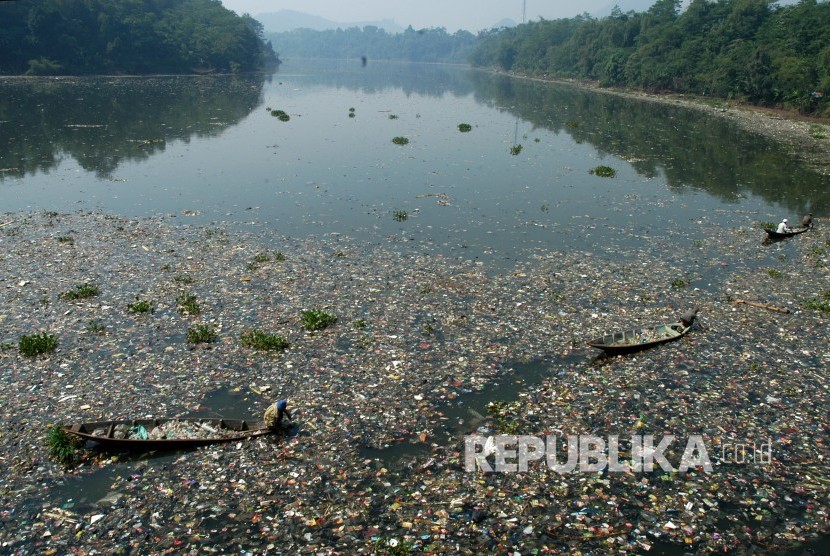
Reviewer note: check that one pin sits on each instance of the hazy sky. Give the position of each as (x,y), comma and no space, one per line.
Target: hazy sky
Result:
(472,15)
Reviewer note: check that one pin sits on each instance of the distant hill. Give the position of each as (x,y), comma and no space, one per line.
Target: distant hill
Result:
(288,20)
(506,22)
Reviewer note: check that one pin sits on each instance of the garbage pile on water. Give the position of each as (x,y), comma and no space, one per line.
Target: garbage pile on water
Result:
(416,332)
(170,430)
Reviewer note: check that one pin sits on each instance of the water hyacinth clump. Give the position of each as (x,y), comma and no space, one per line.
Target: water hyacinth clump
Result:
(316,319)
(400,215)
(82,291)
(257,339)
(603,172)
(679,283)
(515,150)
(400,140)
(140,306)
(202,334)
(465,128)
(281,115)
(32,345)
(96,327)
(821,304)
(187,304)
(62,447)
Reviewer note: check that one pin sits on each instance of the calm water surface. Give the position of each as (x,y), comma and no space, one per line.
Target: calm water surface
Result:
(207,149)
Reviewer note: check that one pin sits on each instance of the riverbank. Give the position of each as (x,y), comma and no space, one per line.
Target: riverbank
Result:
(808,139)
(416,333)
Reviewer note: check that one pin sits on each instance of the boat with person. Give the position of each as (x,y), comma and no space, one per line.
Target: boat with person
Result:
(774,234)
(166,433)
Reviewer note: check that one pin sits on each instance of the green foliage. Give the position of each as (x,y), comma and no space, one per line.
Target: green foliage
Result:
(465,128)
(63,448)
(603,172)
(680,283)
(400,215)
(183,279)
(257,339)
(82,291)
(280,115)
(95,327)
(392,547)
(262,258)
(505,416)
(515,150)
(393,116)
(32,345)
(400,140)
(140,306)
(316,319)
(748,50)
(66,239)
(50,37)
(765,225)
(821,304)
(202,334)
(775,273)
(279,257)
(187,304)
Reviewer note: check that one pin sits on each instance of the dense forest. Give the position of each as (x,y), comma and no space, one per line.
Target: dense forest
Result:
(747,50)
(48,37)
(423,45)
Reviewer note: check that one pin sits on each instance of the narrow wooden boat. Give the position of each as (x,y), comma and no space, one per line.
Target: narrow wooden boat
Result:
(639,338)
(166,433)
(778,235)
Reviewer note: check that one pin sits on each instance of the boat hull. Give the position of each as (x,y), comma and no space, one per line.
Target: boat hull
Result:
(639,338)
(211,431)
(773,234)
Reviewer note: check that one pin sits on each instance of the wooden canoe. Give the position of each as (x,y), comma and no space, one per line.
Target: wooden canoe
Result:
(166,433)
(639,338)
(773,234)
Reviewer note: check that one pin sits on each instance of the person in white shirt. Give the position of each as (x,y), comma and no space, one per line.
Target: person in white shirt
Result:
(783,227)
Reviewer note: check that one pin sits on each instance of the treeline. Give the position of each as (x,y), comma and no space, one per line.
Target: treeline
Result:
(424,45)
(47,37)
(747,50)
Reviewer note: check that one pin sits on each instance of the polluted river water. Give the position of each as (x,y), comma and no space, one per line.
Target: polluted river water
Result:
(472,311)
